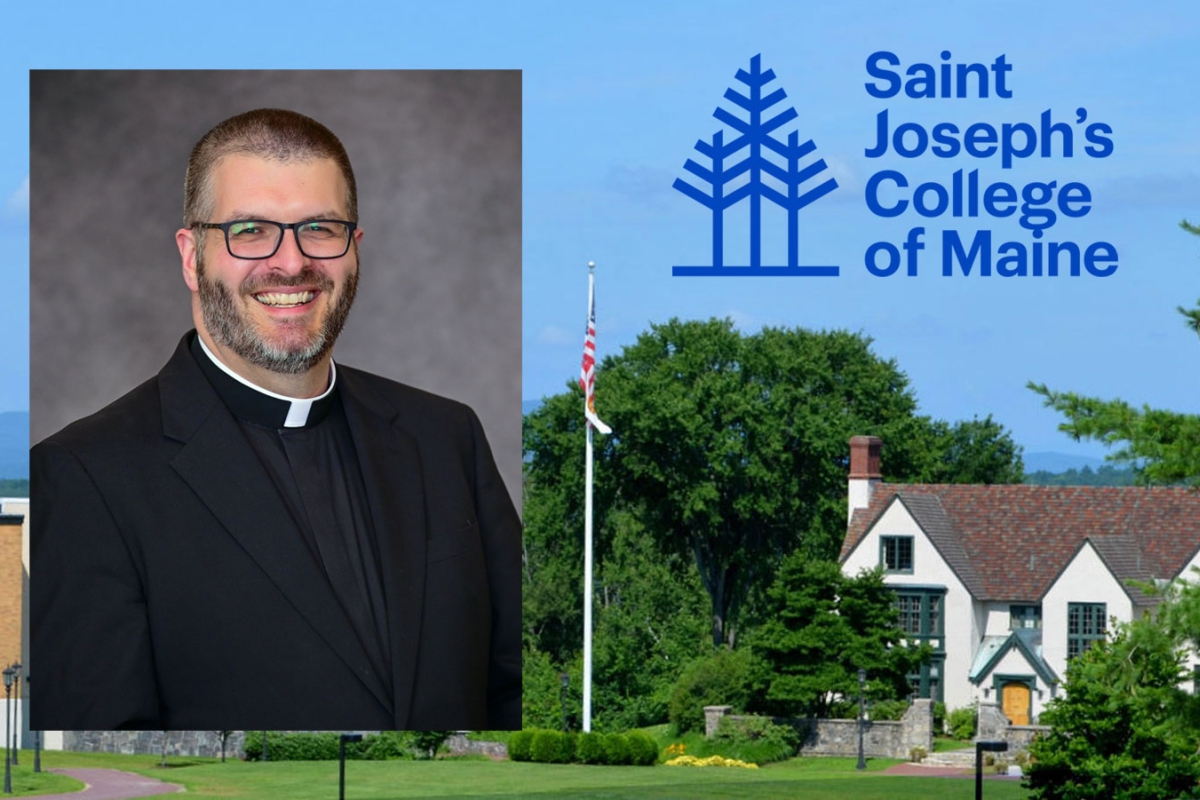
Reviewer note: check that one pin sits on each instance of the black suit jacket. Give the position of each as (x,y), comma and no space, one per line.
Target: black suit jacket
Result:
(170,588)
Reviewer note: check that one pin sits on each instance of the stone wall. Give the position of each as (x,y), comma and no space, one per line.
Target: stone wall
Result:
(839,737)
(179,743)
(994,726)
(458,744)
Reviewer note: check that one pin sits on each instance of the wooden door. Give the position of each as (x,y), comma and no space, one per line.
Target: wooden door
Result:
(1015,702)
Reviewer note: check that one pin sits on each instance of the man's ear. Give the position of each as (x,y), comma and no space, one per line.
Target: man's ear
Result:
(185,240)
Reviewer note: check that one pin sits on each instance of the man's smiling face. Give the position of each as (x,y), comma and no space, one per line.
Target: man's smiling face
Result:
(281,314)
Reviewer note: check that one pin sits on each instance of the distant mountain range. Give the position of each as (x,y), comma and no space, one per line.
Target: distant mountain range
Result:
(1058,462)
(14,444)
(14,448)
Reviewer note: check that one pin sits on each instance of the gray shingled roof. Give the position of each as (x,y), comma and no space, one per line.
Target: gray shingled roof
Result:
(1010,542)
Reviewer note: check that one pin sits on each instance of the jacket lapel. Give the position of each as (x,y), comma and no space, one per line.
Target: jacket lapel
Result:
(391,467)
(220,466)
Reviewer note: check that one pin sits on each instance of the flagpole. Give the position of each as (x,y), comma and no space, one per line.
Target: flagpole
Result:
(587,544)
(587,590)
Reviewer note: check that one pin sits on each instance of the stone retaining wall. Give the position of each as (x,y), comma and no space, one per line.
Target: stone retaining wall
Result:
(179,743)
(994,726)
(458,744)
(839,737)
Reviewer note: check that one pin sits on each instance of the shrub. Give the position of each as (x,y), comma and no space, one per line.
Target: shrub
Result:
(642,750)
(590,748)
(552,747)
(616,749)
(301,747)
(720,679)
(888,709)
(754,739)
(426,743)
(384,746)
(843,709)
(519,744)
(962,722)
(939,718)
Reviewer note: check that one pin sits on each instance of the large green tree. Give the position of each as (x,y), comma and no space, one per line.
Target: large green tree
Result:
(1119,729)
(734,447)
(972,451)
(1164,445)
(732,452)
(822,627)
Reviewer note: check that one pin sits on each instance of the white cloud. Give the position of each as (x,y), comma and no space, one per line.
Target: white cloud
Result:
(744,322)
(552,334)
(17,205)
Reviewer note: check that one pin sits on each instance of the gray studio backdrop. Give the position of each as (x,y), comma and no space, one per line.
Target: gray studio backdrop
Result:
(437,157)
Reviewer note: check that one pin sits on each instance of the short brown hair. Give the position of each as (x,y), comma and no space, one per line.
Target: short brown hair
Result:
(272,133)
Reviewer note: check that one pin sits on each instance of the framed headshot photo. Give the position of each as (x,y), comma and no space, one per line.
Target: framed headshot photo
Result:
(275,400)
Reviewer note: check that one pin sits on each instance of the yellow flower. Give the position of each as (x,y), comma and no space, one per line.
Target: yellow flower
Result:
(711,761)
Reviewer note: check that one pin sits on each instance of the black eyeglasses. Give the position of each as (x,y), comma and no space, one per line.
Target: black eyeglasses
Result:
(260,238)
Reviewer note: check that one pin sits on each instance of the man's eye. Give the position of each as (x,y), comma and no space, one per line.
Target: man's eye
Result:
(317,229)
(246,229)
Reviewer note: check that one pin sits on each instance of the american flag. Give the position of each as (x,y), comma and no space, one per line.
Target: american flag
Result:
(587,372)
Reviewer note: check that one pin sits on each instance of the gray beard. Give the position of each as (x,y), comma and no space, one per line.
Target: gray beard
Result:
(230,328)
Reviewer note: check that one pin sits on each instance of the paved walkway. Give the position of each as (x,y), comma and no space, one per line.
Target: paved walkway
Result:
(111,784)
(941,772)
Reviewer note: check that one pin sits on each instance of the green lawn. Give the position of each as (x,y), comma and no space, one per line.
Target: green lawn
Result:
(816,778)
(943,744)
(25,781)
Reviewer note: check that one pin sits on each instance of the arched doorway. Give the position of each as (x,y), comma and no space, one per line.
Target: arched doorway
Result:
(1015,701)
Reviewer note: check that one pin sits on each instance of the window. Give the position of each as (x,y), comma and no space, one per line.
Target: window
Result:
(921,618)
(1085,624)
(896,553)
(920,612)
(1024,617)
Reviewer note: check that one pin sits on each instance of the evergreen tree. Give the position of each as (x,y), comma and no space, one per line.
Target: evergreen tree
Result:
(1117,730)
(822,628)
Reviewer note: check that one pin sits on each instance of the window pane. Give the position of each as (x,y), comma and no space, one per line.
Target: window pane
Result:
(1085,625)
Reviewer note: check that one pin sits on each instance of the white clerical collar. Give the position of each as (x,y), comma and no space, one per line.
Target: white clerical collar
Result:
(298,407)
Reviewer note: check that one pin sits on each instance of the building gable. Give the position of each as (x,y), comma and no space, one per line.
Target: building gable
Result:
(1026,643)
(1010,542)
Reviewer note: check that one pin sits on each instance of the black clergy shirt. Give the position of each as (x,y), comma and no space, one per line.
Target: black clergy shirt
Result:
(306,449)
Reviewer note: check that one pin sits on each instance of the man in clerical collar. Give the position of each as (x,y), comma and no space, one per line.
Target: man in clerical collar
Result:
(257,538)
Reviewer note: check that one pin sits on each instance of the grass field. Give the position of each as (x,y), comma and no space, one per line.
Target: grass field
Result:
(26,781)
(815,778)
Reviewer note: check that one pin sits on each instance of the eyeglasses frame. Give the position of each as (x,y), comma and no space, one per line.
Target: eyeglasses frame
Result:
(284,226)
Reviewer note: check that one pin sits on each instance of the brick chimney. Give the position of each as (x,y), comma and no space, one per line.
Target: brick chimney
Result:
(865,453)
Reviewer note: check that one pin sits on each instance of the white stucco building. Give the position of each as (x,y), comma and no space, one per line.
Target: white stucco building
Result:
(1007,582)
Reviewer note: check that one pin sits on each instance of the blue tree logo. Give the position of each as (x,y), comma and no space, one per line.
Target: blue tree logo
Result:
(755,134)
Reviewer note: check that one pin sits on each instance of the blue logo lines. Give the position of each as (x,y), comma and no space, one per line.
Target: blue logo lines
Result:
(755,134)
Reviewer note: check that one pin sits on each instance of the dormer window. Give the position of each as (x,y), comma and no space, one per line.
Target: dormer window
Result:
(1024,617)
(896,553)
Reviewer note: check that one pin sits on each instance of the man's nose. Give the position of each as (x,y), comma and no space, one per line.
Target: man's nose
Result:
(288,258)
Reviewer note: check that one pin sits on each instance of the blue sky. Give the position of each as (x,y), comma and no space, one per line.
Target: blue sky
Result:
(615,96)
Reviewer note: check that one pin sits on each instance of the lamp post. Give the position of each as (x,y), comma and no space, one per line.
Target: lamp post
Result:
(8,682)
(980,749)
(37,737)
(565,681)
(862,687)
(17,697)
(345,737)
